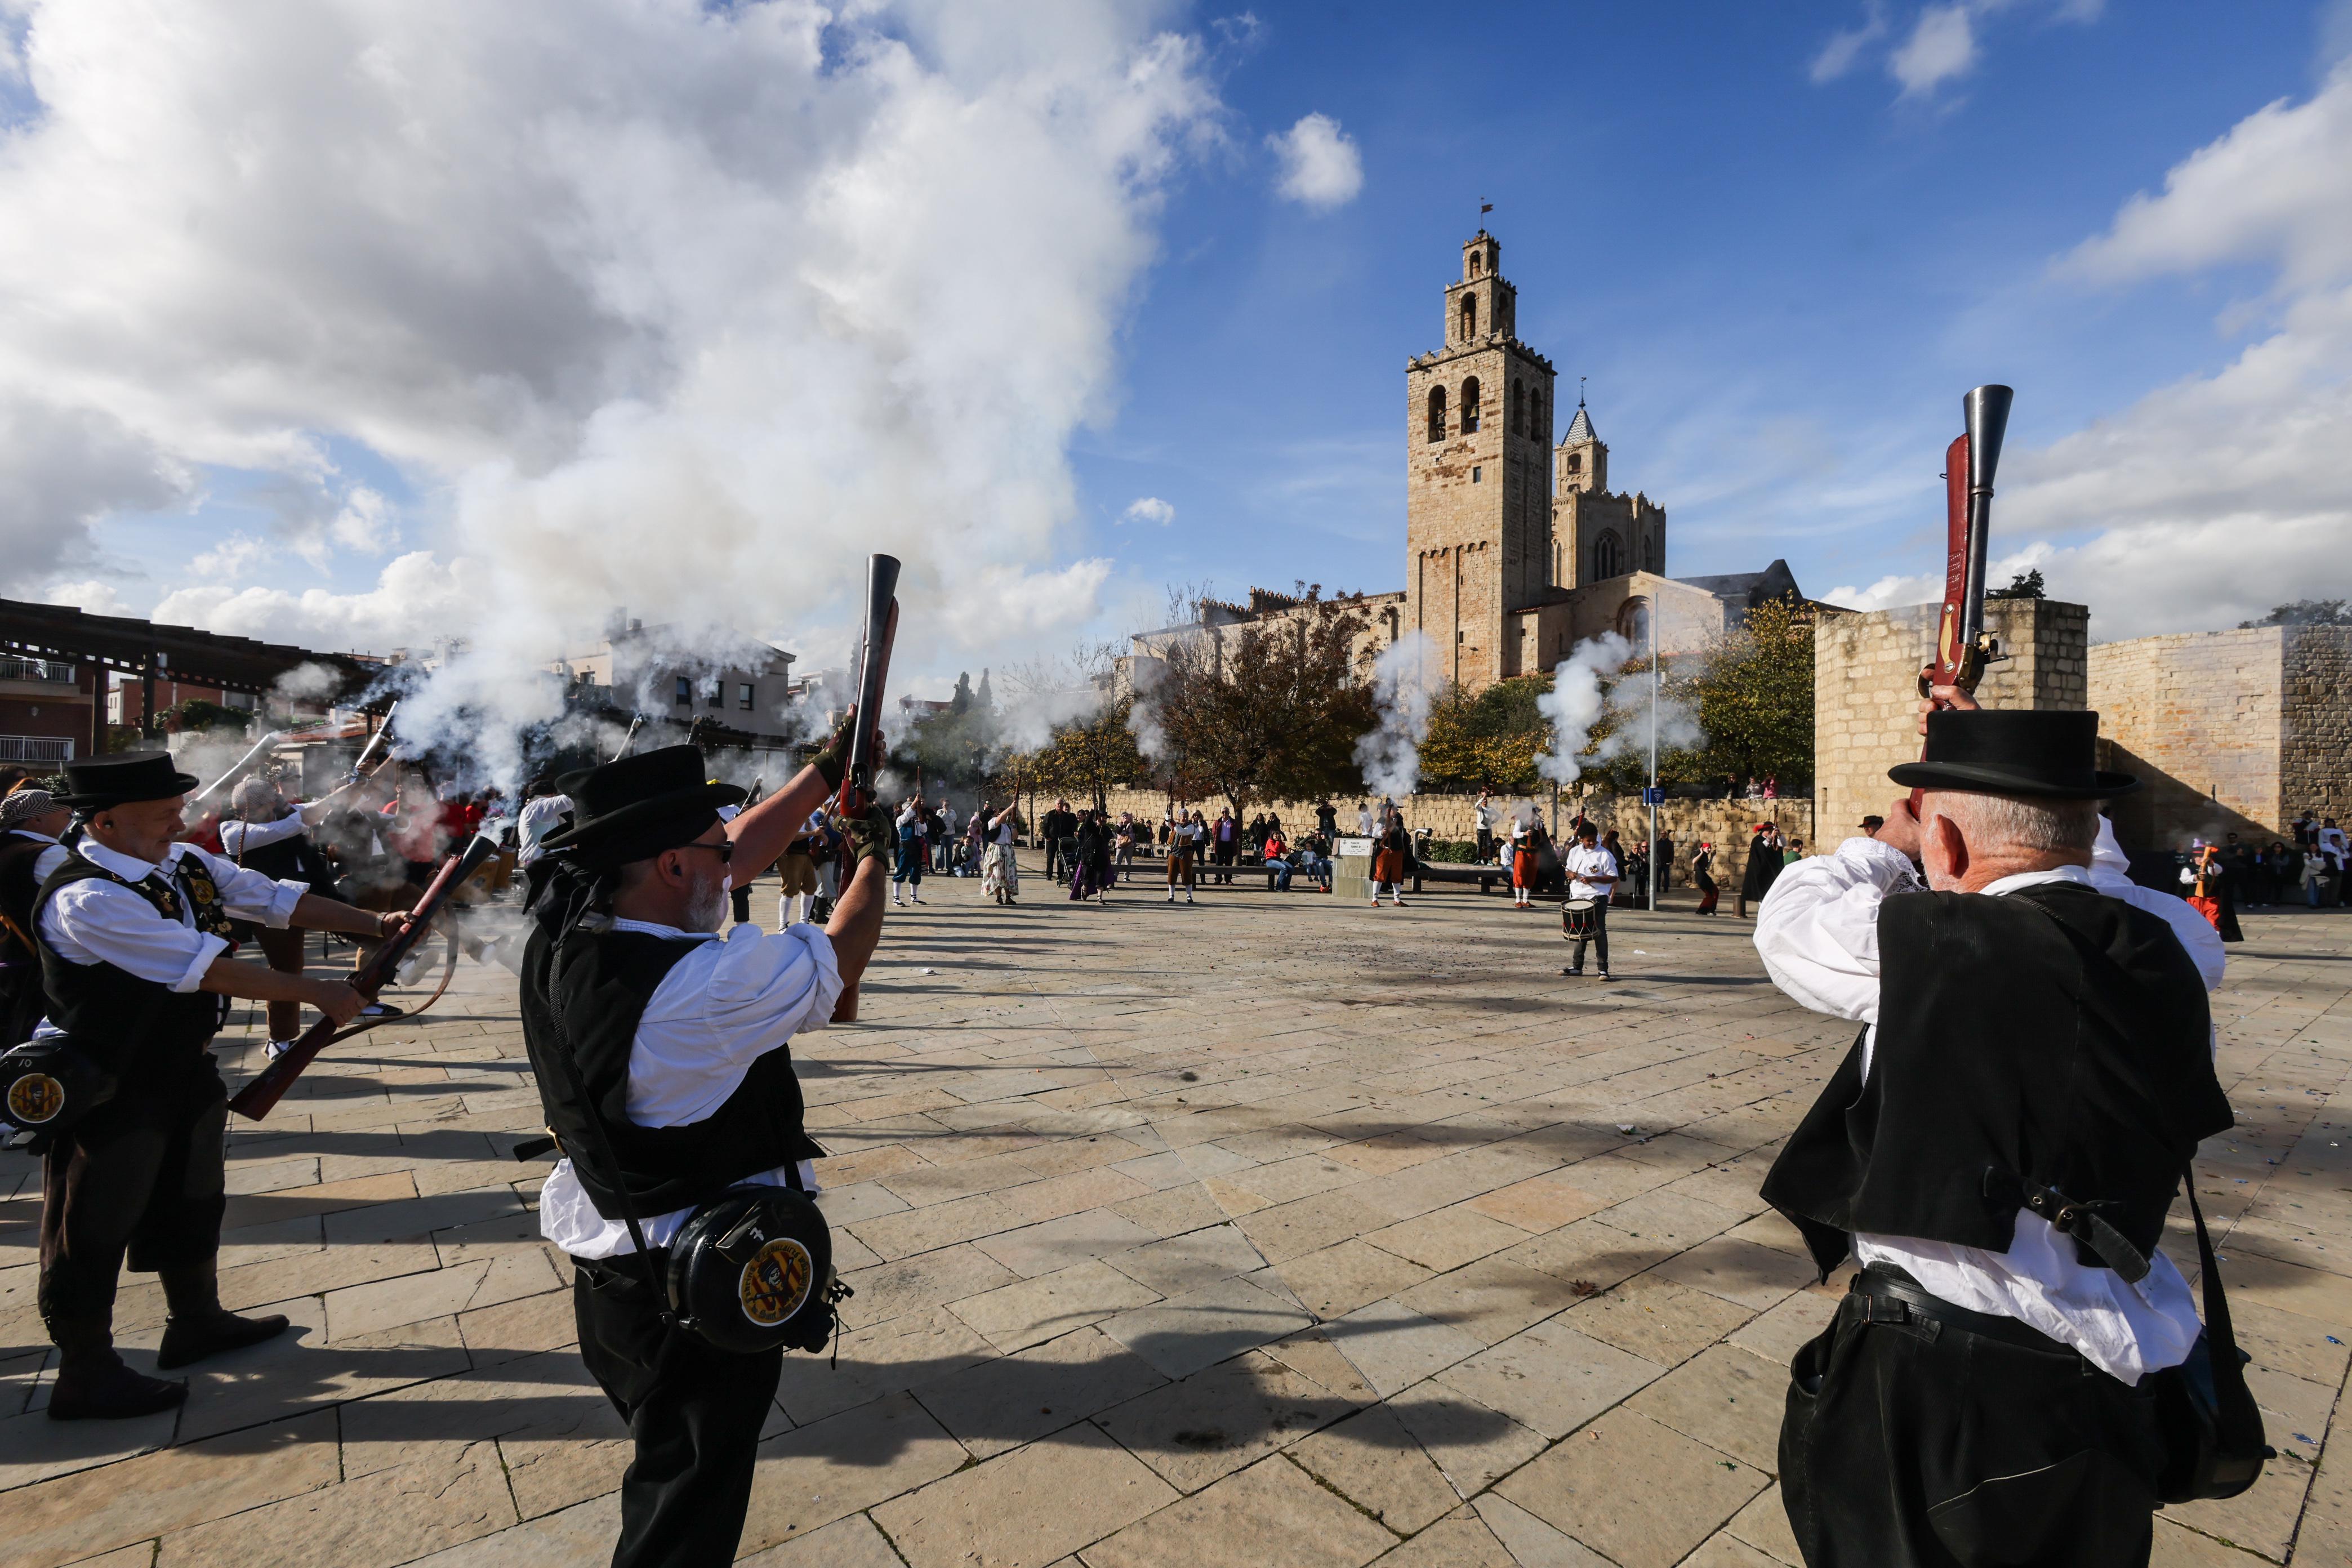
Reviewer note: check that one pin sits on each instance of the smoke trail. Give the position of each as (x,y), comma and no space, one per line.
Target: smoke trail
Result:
(1576,702)
(1405,677)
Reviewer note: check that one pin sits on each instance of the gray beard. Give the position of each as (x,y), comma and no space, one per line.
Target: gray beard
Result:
(709,909)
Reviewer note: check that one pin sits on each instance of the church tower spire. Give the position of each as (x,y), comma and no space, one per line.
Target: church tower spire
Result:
(1477,477)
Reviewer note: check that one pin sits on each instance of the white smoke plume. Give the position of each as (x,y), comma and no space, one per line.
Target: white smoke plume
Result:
(682,307)
(1406,681)
(1577,701)
(1677,721)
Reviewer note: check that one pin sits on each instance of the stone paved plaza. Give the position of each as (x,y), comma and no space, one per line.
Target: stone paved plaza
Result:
(1265,1232)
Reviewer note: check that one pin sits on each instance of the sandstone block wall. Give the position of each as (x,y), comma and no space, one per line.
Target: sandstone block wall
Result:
(2316,760)
(1867,694)
(2199,719)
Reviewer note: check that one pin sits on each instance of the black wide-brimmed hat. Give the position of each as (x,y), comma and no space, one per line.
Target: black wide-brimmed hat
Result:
(636,808)
(2014,751)
(101,781)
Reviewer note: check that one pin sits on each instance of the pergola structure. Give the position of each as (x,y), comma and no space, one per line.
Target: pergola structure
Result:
(145,650)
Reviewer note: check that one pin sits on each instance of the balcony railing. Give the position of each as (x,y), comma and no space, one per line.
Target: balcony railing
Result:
(36,749)
(15,668)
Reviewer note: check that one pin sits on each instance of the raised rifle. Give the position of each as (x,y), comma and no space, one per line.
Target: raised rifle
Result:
(255,1100)
(1963,647)
(856,796)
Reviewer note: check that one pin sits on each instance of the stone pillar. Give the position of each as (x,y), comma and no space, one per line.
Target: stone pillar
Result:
(1866,692)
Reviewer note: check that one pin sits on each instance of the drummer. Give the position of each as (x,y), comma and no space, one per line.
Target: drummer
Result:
(1592,873)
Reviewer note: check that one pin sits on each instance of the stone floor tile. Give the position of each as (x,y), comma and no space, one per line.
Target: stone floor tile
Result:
(1285,1231)
(2312,1292)
(161,1493)
(1314,1354)
(1580,1487)
(1676,1221)
(1490,1299)
(2179,1547)
(1177,1211)
(1725,1398)
(445,1494)
(1214,1421)
(298,1371)
(1012,1317)
(1778,1334)
(1591,1253)
(1460,1540)
(920,1284)
(362,1310)
(912,1349)
(1035,1249)
(852,1542)
(1764,1524)
(859,1202)
(1337,1281)
(2292,1342)
(1447,1238)
(1190,1261)
(1003,1402)
(1655,1319)
(1723,1550)
(582,1533)
(1185,1333)
(1396,1347)
(2261,1520)
(1531,1542)
(1027,1507)
(1473,1445)
(1550,1378)
(1539,1204)
(1758,1278)
(34,1448)
(1073,1193)
(521,1327)
(1372,1460)
(843,1465)
(1268,1513)
(331,1197)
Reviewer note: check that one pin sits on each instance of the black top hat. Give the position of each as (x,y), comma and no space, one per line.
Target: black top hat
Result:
(2013,751)
(636,808)
(101,781)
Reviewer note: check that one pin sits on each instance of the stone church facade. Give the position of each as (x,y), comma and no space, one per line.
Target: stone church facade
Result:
(1515,548)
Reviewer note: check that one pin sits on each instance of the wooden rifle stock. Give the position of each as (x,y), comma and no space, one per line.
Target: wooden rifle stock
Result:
(1962,648)
(857,797)
(256,1099)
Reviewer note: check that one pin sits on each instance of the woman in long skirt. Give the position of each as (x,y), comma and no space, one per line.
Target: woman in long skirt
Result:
(1000,869)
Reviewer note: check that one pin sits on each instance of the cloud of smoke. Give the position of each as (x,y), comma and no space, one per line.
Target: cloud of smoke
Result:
(1406,681)
(1576,702)
(686,307)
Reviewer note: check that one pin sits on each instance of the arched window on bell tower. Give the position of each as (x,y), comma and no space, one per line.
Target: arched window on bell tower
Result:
(1538,424)
(1470,406)
(1518,409)
(1649,554)
(1437,414)
(1469,317)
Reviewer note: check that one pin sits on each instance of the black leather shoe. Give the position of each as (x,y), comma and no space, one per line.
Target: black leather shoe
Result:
(109,1391)
(191,1339)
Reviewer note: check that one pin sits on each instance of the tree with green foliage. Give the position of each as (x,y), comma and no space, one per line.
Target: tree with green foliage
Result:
(2026,585)
(1754,695)
(2305,613)
(1089,757)
(1491,738)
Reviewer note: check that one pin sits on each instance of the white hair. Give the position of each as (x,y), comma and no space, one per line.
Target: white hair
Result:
(2032,823)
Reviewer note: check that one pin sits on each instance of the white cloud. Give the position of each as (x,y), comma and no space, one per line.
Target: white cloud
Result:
(1149,509)
(1321,167)
(1845,47)
(231,560)
(96,595)
(1943,44)
(676,307)
(2213,498)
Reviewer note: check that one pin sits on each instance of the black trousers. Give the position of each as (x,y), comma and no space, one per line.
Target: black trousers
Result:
(144,1177)
(1921,1444)
(695,1412)
(742,899)
(1600,939)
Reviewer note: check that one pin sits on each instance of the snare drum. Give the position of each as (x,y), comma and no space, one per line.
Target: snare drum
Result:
(1579,918)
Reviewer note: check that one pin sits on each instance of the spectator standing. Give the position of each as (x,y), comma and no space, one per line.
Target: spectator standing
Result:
(1364,818)
(1225,844)
(908,868)
(1123,847)
(1703,876)
(1327,821)
(1763,868)
(1483,820)
(1060,824)
(1665,862)
(975,840)
(1184,842)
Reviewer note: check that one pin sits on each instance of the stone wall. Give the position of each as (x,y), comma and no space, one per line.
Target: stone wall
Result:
(2316,763)
(1726,824)
(2197,718)
(1866,692)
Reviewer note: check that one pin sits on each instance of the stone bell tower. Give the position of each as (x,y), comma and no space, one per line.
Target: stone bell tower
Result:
(1478,417)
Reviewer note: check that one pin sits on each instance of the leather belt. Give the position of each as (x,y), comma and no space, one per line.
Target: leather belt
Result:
(1883,1293)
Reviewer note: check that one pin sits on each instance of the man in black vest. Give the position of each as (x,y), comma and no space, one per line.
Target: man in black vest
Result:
(678,1037)
(31,822)
(133,929)
(1999,1152)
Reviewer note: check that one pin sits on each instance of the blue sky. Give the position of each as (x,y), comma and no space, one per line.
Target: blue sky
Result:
(382,326)
(1778,287)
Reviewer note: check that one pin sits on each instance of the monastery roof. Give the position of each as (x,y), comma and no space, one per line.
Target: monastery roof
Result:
(1580,428)
(1753,588)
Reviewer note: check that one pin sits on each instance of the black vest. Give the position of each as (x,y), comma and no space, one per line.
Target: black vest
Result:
(606,981)
(2053,1035)
(21,1000)
(295,859)
(150,1036)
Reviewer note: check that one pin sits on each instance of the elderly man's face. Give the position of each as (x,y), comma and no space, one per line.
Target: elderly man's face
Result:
(143,829)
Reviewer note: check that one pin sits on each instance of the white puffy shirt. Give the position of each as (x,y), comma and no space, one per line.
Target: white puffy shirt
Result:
(720,1009)
(97,921)
(1817,931)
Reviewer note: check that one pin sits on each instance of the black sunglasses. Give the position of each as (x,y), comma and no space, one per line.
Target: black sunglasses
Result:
(724,849)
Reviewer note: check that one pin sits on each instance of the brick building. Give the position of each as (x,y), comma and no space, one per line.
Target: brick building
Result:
(1516,549)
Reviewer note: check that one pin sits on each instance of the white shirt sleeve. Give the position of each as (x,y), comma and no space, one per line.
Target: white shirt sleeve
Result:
(1817,929)
(722,1008)
(96,921)
(247,895)
(239,837)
